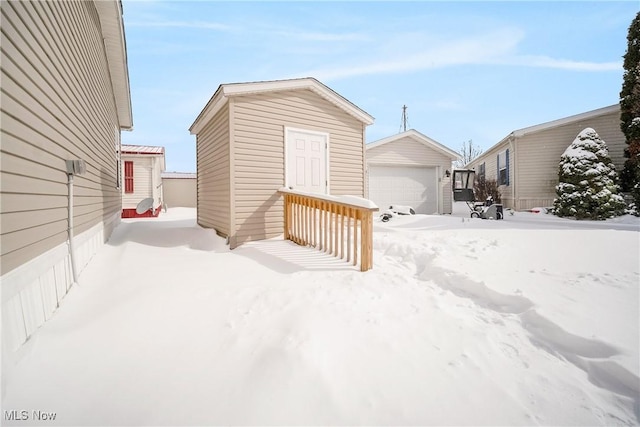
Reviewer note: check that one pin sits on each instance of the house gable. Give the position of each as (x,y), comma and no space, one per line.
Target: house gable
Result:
(410,147)
(226,91)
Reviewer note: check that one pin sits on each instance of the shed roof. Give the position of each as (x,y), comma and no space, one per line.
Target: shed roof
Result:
(179,175)
(418,137)
(224,91)
(142,149)
(111,23)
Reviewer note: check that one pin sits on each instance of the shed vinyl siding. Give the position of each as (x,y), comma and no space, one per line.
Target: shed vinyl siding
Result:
(180,192)
(258,142)
(214,174)
(56,103)
(539,156)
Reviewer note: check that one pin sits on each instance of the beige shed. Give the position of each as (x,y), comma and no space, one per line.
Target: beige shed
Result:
(255,138)
(410,169)
(179,189)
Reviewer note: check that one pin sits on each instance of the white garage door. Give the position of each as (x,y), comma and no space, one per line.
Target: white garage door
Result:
(404,185)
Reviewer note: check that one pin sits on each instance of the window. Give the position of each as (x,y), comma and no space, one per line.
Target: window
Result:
(128,177)
(503,168)
(480,171)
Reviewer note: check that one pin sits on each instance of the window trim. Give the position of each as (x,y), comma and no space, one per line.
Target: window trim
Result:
(503,179)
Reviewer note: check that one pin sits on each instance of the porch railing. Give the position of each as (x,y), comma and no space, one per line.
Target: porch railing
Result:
(339,225)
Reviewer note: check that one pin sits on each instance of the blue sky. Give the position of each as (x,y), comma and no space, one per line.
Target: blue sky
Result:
(466,70)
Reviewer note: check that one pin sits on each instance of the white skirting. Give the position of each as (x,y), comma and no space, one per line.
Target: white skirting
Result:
(32,292)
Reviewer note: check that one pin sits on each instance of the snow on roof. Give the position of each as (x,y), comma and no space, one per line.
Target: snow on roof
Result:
(179,175)
(142,149)
(419,137)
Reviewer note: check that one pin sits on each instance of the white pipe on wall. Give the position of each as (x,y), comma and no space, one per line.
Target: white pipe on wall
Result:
(72,254)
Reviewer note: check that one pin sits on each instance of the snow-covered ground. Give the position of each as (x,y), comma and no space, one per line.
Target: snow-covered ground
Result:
(532,320)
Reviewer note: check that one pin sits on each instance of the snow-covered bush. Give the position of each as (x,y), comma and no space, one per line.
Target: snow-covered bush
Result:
(587,187)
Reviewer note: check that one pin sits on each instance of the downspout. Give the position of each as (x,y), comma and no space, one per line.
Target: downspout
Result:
(74,167)
(72,252)
(513,165)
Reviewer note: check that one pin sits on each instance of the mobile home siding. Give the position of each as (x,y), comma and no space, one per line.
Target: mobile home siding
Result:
(258,143)
(490,160)
(57,104)
(214,174)
(539,156)
(534,156)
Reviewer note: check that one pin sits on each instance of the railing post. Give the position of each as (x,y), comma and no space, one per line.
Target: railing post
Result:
(366,252)
(331,225)
(287,217)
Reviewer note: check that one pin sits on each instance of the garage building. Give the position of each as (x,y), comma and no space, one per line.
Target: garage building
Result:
(410,169)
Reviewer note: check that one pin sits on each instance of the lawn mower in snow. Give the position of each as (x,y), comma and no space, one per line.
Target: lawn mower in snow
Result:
(463,180)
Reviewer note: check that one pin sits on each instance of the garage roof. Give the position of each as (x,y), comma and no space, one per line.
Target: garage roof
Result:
(416,136)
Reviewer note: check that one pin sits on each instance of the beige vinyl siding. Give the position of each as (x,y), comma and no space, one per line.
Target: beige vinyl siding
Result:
(539,156)
(179,192)
(490,159)
(407,151)
(142,180)
(259,124)
(56,104)
(534,158)
(213,179)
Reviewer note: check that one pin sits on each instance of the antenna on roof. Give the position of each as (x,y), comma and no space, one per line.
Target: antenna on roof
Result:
(405,119)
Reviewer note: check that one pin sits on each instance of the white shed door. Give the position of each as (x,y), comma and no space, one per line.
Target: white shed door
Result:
(306,161)
(404,185)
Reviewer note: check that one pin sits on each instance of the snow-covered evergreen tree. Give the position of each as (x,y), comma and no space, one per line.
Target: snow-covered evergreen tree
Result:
(587,187)
(630,113)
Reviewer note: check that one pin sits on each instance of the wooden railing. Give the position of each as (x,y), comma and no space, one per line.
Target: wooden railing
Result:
(339,225)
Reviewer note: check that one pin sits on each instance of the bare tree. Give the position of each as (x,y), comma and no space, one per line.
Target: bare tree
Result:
(468,152)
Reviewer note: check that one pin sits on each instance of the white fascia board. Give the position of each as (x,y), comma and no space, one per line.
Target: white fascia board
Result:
(213,106)
(112,28)
(567,120)
(491,151)
(544,126)
(225,91)
(309,83)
